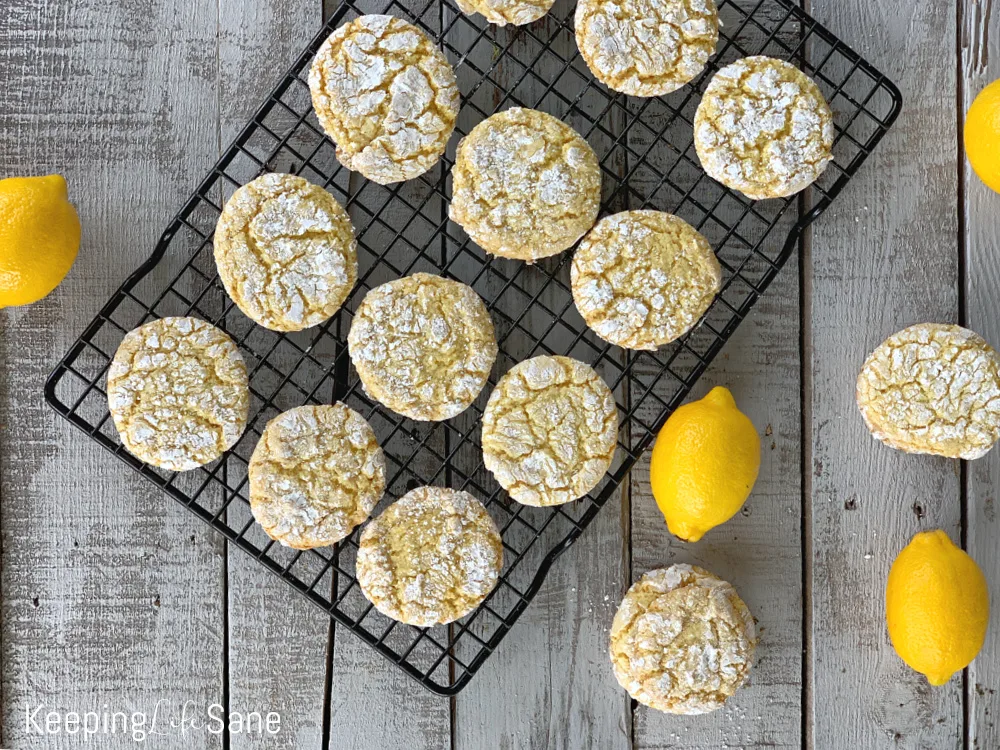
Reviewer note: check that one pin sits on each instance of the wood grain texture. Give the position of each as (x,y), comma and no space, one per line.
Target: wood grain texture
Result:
(980,58)
(883,257)
(111,595)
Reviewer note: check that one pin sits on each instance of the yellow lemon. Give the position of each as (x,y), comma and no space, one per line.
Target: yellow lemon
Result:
(39,237)
(704,464)
(982,135)
(936,606)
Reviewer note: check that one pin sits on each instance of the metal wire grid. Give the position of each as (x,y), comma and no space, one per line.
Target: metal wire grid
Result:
(647,158)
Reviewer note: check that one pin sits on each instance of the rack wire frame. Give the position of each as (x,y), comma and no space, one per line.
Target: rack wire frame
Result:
(647,159)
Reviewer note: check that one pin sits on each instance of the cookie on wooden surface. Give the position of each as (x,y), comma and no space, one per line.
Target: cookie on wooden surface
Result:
(178,393)
(316,473)
(423,345)
(644,278)
(526,185)
(933,388)
(764,128)
(431,557)
(286,252)
(682,640)
(550,430)
(386,95)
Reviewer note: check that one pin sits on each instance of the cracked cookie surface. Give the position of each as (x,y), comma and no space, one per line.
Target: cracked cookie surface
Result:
(763,128)
(423,345)
(933,388)
(526,185)
(503,12)
(550,430)
(682,640)
(386,96)
(431,557)
(178,393)
(646,47)
(286,252)
(643,278)
(317,472)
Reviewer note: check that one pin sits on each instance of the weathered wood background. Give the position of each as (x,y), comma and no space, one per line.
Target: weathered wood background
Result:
(112,594)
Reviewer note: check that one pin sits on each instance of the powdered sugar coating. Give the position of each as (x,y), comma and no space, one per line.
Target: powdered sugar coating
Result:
(386,96)
(286,252)
(643,278)
(526,185)
(431,557)
(550,430)
(763,128)
(316,473)
(423,346)
(646,47)
(933,388)
(503,12)
(682,640)
(178,393)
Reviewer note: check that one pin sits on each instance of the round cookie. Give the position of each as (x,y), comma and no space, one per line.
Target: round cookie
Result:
(644,278)
(178,393)
(503,12)
(763,128)
(431,557)
(550,430)
(316,473)
(286,252)
(646,47)
(935,389)
(682,640)
(423,345)
(386,96)
(525,185)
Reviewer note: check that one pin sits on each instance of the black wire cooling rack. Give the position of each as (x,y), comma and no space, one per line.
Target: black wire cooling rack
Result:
(648,160)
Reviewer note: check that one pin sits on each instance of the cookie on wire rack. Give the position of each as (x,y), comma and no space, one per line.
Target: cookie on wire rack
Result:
(503,12)
(386,96)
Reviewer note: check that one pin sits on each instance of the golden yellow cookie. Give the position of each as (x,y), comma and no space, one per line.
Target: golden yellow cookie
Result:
(431,557)
(178,393)
(386,96)
(526,185)
(550,430)
(646,47)
(935,389)
(644,278)
(682,640)
(286,252)
(316,473)
(423,346)
(763,128)
(503,12)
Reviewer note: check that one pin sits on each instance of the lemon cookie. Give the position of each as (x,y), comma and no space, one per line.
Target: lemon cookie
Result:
(646,47)
(316,473)
(503,12)
(526,185)
(431,557)
(933,388)
(549,430)
(178,393)
(286,252)
(763,128)
(386,96)
(682,640)
(643,278)
(423,346)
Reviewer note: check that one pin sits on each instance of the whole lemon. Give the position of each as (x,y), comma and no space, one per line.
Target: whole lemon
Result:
(936,606)
(39,237)
(982,135)
(704,464)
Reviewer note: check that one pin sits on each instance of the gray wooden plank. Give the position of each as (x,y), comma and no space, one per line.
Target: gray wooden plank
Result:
(111,594)
(883,257)
(278,641)
(980,58)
